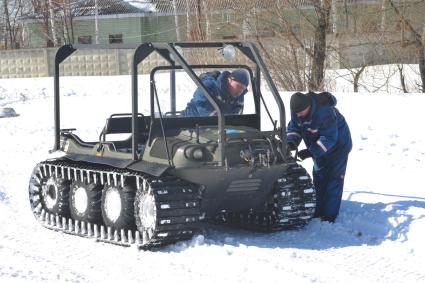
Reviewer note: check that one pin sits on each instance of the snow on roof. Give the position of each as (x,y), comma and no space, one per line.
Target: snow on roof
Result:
(80,8)
(111,7)
(143,5)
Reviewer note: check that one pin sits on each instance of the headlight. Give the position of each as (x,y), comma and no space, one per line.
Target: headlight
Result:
(229,52)
(197,153)
(63,144)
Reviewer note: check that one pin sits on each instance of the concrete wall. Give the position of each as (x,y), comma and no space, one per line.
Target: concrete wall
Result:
(86,62)
(345,52)
(24,63)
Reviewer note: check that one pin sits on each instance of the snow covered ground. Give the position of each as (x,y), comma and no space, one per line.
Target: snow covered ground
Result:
(378,237)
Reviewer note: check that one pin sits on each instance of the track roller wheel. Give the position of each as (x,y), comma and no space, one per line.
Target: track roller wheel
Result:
(118,207)
(54,196)
(48,193)
(145,214)
(84,202)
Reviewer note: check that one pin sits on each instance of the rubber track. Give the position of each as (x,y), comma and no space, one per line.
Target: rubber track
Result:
(177,204)
(293,205)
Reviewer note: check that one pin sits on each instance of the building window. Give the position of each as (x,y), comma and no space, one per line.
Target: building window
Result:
(86,39)
(229,17)
(115,38)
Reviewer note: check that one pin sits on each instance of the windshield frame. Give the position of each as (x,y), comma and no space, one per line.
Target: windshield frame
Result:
(209,67)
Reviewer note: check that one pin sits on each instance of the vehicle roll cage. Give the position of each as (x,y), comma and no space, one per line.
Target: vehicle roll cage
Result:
(169,52)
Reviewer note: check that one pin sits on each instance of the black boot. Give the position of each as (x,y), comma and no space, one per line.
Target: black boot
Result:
(330,219)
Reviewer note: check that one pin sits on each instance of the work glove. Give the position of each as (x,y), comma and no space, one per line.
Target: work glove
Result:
(292,145)
(304,154)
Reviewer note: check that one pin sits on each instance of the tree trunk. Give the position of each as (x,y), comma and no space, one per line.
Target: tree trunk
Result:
(68,24)
(200,32)
(3,30)
(65,22)
(384,8)
(402,78)
(422,60)
(347,23)
(96,22)
(176,22)
(319,47)
(357,78)
(419,41)
(7,22)
(334,17)
(52,23)
(207,21)
(71,23)
(188,28)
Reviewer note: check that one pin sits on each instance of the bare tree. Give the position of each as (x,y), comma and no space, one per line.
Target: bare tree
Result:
(41,12)
(356,77)
(176,21)
(65,12)
(308,34)
(384,9)
(56,17)
(195,20)
(52,22)
(12,11)
(402,78)
(207,21)
(188,25)
(200,19)
(96,21)
(322,9)
(6,22)
(418,40)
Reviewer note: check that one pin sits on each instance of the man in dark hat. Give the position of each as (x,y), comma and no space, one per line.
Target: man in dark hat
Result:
(229,88)
(316,121)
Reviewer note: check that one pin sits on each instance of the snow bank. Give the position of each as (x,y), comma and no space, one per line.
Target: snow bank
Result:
(377,237)
(7,112)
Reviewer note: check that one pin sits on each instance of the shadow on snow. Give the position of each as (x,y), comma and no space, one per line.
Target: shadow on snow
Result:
(3,197)
(358,224)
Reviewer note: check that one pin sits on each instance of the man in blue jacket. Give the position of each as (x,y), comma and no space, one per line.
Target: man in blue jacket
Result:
(326,135)
(228,88)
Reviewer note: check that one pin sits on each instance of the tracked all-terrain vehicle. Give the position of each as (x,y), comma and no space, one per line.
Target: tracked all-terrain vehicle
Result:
(173,172)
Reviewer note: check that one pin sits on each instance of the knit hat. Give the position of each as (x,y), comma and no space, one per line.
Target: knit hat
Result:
(241,76)
(299,102)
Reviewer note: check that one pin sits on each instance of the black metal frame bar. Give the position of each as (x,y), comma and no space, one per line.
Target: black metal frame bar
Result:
(203,66)
(62,53)
(141,52)
(262,66)
(168,52)
(192,67)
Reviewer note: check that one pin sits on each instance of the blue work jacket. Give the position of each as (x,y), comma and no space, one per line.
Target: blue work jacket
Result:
(324,130)
(200,106)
